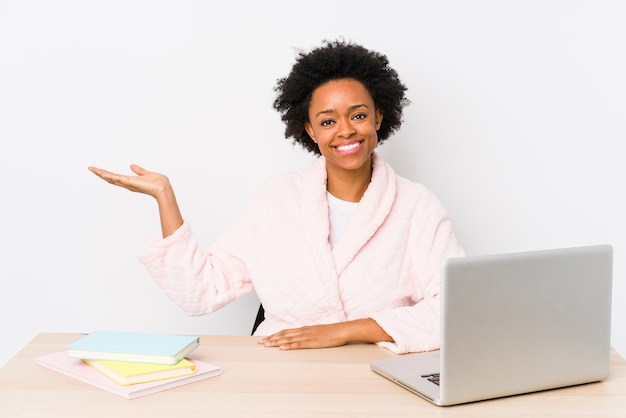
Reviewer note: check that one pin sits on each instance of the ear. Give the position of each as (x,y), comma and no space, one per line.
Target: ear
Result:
(309,130)
(379,118)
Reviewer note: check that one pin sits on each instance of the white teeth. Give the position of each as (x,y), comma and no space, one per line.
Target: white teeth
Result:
(348,147)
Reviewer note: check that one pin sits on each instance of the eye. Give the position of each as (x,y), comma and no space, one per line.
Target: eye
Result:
(359,116)
(327,122)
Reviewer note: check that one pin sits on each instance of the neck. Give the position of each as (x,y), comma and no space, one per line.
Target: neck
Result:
(349,185)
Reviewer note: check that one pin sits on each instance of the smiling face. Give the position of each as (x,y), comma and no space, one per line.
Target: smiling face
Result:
(343,121)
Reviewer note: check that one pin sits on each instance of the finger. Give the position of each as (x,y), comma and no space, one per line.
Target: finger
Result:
(124,181)
(295,345)
(287,340)
(273,340)
(104,174)
(270,341)
(95,170)
(138,170)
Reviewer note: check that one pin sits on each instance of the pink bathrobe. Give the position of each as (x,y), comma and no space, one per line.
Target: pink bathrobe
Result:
(385,266)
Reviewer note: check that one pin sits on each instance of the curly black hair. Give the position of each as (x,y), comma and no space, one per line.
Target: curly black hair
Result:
(337,60)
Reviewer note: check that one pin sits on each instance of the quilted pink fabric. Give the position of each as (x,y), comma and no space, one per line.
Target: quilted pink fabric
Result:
(385,266)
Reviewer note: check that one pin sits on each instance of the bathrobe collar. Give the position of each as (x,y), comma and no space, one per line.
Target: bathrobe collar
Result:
(372,211)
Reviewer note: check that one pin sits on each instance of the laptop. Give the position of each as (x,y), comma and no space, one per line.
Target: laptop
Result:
(515,323)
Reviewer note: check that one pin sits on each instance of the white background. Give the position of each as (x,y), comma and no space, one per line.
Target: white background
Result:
(517,123)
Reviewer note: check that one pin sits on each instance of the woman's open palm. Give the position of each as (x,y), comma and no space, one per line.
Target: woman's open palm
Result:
(146,182)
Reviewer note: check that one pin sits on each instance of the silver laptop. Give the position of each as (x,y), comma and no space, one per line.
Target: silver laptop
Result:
(515,323)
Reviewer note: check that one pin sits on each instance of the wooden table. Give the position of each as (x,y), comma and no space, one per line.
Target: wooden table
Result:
(266,382)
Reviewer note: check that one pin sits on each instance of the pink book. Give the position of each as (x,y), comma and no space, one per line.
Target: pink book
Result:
(77,369)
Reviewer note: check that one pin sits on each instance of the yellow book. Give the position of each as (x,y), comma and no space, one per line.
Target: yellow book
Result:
(128,373)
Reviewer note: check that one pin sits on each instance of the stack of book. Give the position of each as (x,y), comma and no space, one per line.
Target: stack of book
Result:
(131,364)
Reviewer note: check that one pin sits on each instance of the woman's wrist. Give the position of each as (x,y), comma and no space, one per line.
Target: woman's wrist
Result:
(366,330)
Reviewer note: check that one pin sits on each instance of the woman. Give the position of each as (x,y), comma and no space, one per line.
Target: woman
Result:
(344,251)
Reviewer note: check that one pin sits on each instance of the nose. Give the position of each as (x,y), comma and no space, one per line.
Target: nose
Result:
(345,129)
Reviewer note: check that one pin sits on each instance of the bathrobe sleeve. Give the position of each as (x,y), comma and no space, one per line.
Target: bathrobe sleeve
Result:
(416,326)
(199,282)
(203,281)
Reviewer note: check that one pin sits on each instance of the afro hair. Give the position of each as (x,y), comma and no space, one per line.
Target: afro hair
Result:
(337,60)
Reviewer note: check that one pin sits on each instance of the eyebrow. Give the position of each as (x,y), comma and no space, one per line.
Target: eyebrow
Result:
(351,108)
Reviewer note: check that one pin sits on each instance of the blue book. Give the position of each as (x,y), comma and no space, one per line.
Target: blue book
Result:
(133,346)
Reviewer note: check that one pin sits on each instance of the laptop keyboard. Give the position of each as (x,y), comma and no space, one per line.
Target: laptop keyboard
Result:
(433,377)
